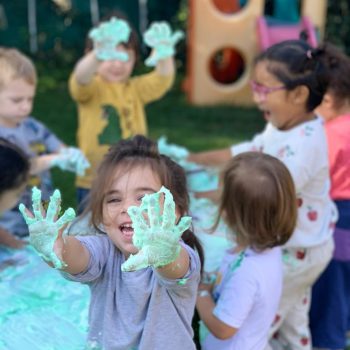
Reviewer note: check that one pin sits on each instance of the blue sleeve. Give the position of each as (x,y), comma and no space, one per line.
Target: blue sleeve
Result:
(48,138)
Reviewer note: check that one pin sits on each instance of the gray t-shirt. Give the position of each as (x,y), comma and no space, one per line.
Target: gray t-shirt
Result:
(137,310)
(35,139)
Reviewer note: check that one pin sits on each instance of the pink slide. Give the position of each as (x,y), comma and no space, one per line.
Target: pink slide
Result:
(272,34)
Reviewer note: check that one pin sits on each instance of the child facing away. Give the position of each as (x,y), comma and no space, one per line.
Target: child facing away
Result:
(13,179)
(143,231)
(258,204)
(330,307)
(289,82)
(18,81)
(111,103)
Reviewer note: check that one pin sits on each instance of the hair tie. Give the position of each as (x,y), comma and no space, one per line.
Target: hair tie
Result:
(309,54)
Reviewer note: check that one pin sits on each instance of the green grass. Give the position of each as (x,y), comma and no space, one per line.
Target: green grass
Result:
(197,128)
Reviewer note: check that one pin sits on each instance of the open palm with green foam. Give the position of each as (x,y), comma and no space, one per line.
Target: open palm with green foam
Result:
(156,233)
(43,227)
(107,36)
(161,38)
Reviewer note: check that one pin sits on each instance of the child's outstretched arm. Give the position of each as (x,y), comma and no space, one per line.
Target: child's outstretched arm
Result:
(157,236)
(205,306)
(162,40)
(46,234)
(166,67)
(86,68)
(211,158)
(213,195)
(67,158)
(41,163)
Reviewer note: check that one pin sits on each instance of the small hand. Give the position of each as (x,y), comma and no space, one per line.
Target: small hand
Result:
(107,36)
(162,40)
(173,151)
(156,237)
(71,159)
(208,281)
(44,230)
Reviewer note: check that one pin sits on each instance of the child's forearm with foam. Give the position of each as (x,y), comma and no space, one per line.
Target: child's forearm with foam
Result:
(211,158)
(86,68)
(178,268)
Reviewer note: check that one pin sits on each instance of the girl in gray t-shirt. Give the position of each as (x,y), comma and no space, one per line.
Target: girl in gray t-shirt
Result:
(143,268)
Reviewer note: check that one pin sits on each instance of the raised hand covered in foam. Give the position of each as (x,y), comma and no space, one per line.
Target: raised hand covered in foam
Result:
(107,36)
(43,227)
(156,233)
(161,38)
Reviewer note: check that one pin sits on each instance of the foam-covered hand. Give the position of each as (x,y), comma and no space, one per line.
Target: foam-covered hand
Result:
(160,38)
(71,159)
(43,228)
(156,233)
(107,36)
(173,151)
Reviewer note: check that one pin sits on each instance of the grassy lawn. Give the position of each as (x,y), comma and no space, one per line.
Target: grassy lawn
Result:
(196,128)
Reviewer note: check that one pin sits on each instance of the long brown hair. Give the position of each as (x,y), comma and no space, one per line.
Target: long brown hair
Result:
(137,151)
(258,200)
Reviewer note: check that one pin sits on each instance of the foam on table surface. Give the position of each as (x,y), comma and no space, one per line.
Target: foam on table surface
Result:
(39,309)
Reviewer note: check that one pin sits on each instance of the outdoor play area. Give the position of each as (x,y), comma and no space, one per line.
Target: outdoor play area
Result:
(209,106)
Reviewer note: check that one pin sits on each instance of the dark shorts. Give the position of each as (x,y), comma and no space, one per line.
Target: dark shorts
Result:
(82,198)
(330,303)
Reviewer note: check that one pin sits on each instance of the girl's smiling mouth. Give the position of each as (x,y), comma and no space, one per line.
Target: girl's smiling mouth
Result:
(127,230)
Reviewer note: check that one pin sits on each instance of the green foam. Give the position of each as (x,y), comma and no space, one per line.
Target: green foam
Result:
(40,310)
(43,229)
(157,237)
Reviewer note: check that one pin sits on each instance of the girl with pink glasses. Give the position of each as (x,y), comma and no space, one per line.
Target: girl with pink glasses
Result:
(289,82)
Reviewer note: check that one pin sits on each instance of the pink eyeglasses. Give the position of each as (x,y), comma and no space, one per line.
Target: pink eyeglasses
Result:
(263,90)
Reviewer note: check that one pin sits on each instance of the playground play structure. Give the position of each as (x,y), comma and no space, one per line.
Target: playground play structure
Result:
(225,35)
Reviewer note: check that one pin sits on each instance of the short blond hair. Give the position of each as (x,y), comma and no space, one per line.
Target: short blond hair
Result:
(15,65)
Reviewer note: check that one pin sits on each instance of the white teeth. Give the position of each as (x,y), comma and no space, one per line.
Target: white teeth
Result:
(126,226)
